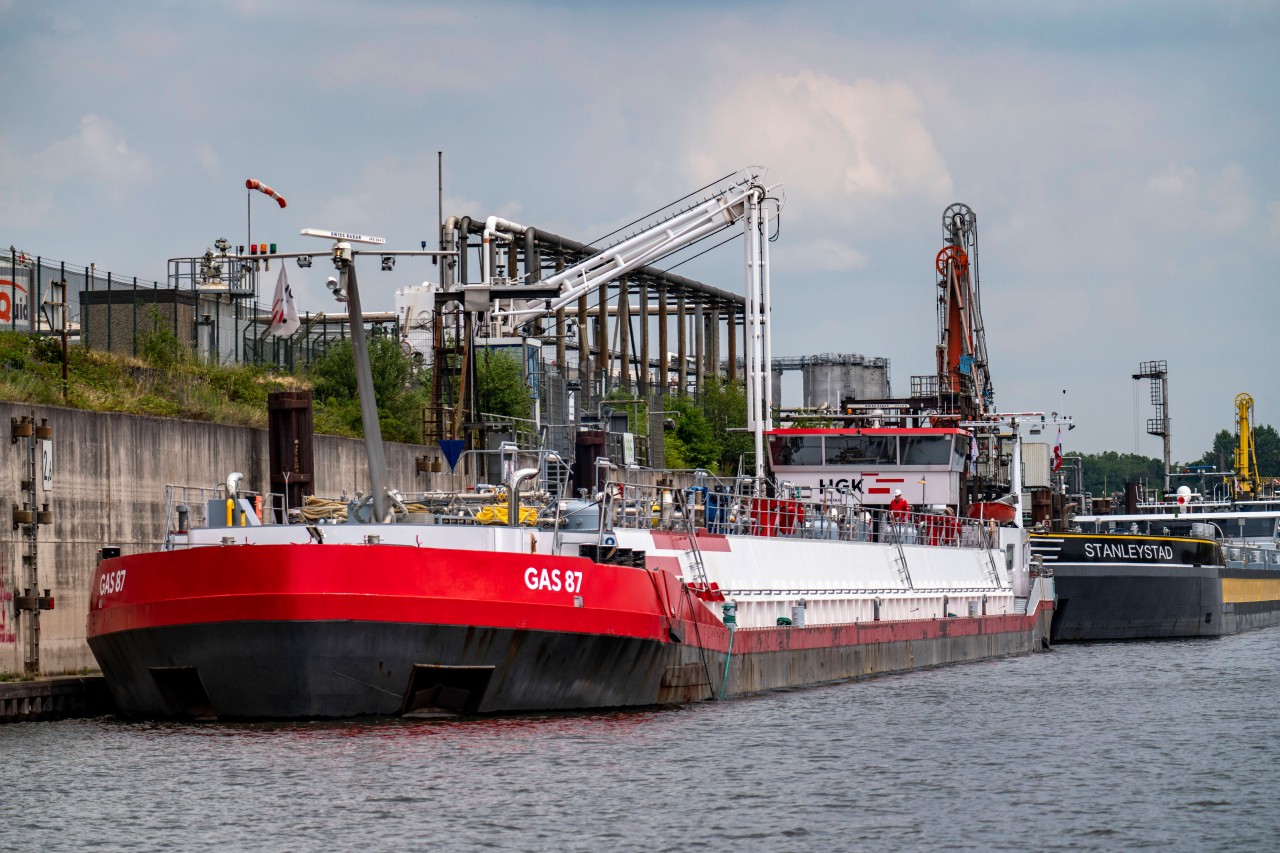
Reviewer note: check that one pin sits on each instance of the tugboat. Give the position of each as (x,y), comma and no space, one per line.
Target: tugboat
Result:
(648,590)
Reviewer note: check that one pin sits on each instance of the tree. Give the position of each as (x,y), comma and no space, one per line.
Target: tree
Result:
(709,429)
(1223,455)
(724,404)
(1266,443)
(1266,446)
(500,385)
(397,389)
(1107,472)
(692,444)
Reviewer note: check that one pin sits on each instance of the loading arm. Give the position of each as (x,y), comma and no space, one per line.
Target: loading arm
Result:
(721,210)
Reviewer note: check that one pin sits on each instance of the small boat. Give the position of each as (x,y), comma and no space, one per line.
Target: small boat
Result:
(1000,511)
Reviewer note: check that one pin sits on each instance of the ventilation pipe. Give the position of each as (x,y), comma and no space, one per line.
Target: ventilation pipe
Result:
(513,494)
(449,243)
(496,228)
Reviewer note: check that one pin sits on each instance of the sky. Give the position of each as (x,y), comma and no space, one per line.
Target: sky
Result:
(1121,159)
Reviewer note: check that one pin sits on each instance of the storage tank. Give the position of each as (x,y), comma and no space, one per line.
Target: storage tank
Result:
(415,308)
(830,380)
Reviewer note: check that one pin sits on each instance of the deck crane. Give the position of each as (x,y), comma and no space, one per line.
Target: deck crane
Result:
(1247,486)
(740,198)
(962,343)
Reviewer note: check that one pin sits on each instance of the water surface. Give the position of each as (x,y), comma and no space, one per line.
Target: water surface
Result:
(1146,745)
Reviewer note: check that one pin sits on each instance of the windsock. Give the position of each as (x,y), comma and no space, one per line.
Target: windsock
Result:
(251,184)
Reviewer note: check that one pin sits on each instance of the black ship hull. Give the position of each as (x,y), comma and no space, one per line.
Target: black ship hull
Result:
(1123,587)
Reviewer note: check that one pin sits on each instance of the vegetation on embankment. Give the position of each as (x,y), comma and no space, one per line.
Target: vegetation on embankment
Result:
(162,381)
(167,380)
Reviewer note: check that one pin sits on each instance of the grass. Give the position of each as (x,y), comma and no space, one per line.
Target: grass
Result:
(15,676)
(168,383)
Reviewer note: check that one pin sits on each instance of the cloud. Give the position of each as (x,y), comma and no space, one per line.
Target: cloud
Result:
(828,255)
(1174,181)
(1222,203)
(97,153)
(843,146)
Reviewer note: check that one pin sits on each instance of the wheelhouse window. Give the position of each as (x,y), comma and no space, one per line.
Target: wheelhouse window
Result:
(1263,527)
(797,450)
(927,449)
(861,450)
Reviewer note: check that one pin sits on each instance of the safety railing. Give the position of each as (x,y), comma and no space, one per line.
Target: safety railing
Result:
(837,518)
(187,507)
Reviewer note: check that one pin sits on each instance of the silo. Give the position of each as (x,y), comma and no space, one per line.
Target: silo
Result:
(830,379)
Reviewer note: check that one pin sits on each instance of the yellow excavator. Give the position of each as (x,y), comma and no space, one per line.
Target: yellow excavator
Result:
(1247,487)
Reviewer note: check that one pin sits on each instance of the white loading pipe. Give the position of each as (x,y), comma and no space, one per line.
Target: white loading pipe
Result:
(758,414)
(648,246)
(496,228)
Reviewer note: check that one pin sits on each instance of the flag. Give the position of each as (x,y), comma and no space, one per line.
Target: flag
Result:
(284,314)
(1057,451)
(973,453)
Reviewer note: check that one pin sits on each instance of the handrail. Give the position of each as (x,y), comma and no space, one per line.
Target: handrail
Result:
(834,517)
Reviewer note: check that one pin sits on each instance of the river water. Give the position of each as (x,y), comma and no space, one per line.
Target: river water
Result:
(1168,746)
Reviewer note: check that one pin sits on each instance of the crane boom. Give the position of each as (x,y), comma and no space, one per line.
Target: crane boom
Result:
(1246,455)
(725,207)
(743,197)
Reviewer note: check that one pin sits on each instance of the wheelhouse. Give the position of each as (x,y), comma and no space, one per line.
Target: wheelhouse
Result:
(924,463)
(1245,527)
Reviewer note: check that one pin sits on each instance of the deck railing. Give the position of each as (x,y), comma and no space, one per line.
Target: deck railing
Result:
(837,517)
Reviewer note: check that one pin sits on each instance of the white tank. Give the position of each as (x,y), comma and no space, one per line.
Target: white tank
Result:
(415,307)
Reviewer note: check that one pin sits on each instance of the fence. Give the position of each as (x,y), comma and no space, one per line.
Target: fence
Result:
(113,313)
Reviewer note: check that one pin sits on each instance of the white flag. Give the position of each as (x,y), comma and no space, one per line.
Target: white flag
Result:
(284,314)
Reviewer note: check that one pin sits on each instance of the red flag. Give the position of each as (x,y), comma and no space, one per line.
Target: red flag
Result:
(1057,451)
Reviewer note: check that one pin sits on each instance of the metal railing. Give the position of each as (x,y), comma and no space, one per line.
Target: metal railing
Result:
(187,507)
(728,511)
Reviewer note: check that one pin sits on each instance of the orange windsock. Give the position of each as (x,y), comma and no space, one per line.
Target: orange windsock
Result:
(251,184)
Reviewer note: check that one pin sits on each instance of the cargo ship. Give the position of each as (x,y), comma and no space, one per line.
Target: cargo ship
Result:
(457,616)
(649,588)
(1181,570)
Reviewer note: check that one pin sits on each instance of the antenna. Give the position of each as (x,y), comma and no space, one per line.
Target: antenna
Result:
(342,236)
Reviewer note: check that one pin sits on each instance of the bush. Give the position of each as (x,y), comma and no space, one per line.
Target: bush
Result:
(397,389)
(500,385)
(158,345)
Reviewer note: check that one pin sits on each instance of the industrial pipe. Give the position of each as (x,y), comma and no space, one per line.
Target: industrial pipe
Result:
(513,494)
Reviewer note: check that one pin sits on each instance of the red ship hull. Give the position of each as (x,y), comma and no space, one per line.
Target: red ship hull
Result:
(295,631)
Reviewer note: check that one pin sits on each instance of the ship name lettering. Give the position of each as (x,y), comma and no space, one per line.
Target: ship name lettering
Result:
(553,579)
(1131,551)
(111,582)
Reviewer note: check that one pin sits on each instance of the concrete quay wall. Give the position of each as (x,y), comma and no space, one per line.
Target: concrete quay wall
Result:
(110,473)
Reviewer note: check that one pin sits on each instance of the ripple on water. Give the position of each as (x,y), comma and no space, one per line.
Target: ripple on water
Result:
(1103,746)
